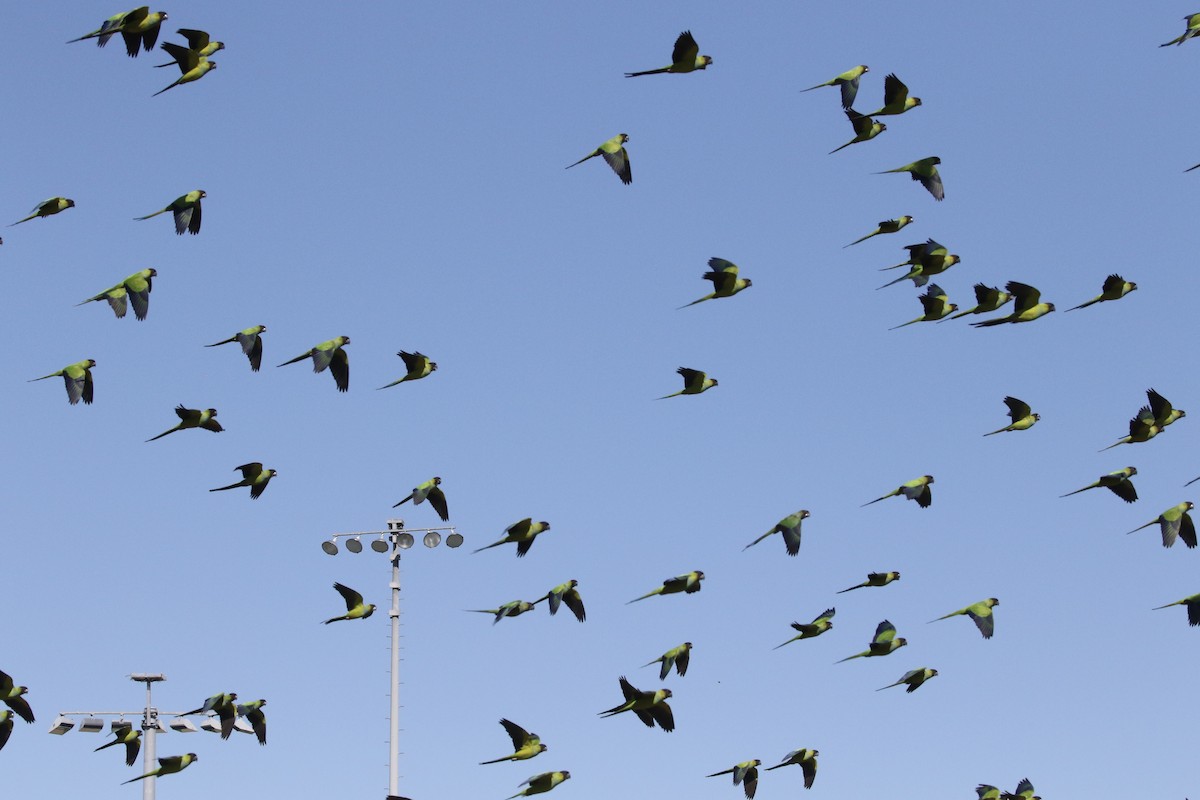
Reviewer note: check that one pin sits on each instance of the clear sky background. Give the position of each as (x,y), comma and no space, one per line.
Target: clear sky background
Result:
(394,172)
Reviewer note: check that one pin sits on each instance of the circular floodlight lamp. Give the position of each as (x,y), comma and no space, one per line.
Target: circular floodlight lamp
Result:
(454,540)
(330,547)
(354,545)
(380,545)
(405,541)
(432,539)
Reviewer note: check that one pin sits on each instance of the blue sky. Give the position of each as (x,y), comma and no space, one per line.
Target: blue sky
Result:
(395,174)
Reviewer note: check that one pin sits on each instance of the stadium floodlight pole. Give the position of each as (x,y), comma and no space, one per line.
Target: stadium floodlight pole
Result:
(394,541)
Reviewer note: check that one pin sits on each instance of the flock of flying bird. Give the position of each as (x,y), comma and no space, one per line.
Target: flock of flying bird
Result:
(140,30)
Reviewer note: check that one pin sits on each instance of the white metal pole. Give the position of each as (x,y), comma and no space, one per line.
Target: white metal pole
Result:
(149,730)
(394,734)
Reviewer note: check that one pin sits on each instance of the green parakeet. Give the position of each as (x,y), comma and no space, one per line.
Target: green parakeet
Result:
(6,726)
(185,209)
(914,678)
(936,305)
(677,657)
(418,366)
(523,532)
(224,705)
(1027,306)
(1193,608)
(980,613)
(614,153)
(916,489)
(355,607)
(1020,413)
(168,765)
(47,208)
(329,354)
(513,608)
(887,226)
(254,714)
(430,490)
(136,287)
(865,129)
(694,382)
(987,792)
(192,66)
(193,418)
(1142,428)
(789,526)
(137,27)
(848,82)
(254,476)
(987,299)
(815,628)
(650,707)
(198,42)
(806,759)
(896,100)
(1024,792)
(884,643)
(930,263)
(13,696)
(1115,287)
(1174,523)
(745,773)
(925,170)
(684,58)
(251,343)
(1192,30)
(874,579)
(78,379)
(1164,412)
(526,745)
(725,280)
(689,583)
(542,782)
(565,593)
(1117,482)
(129,736)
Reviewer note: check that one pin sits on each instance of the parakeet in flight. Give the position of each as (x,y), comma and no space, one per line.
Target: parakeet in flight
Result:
(1164,412)
(1193,608)
(430,490)
(1024,792)
(1115,287)
(815,628)
(78,379)
(677,657)
(614,153)
(253,713)
(987,792)
(1020,413)
(684,58)
(198,42)
(1192,31)
(1174,523)
(542,782)
(884,643)
(224,705)
(513,608)
(865,129)
(139,28)
(1027,306)
(925,170)
(168,765)
(725,280)
(523,532)
(47,208)
(251,342)
(254,476)
(980,613)
(789,526)
(418,366)
(136,287)
(688,583)
(914,678)
(887,226)
(129,736)
(694,382)
(874,579)
(565,593)
(916,489)
(6,727)
(329,354)
(806,759)
(193,418)
(13,696)
(355,607)
(192,66)
(650,707)
(936,305)
(896,100)
(848,81)
(526,745)
(185,209)
(745,773)
(1141,428)
(987,299)
(1117,482)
